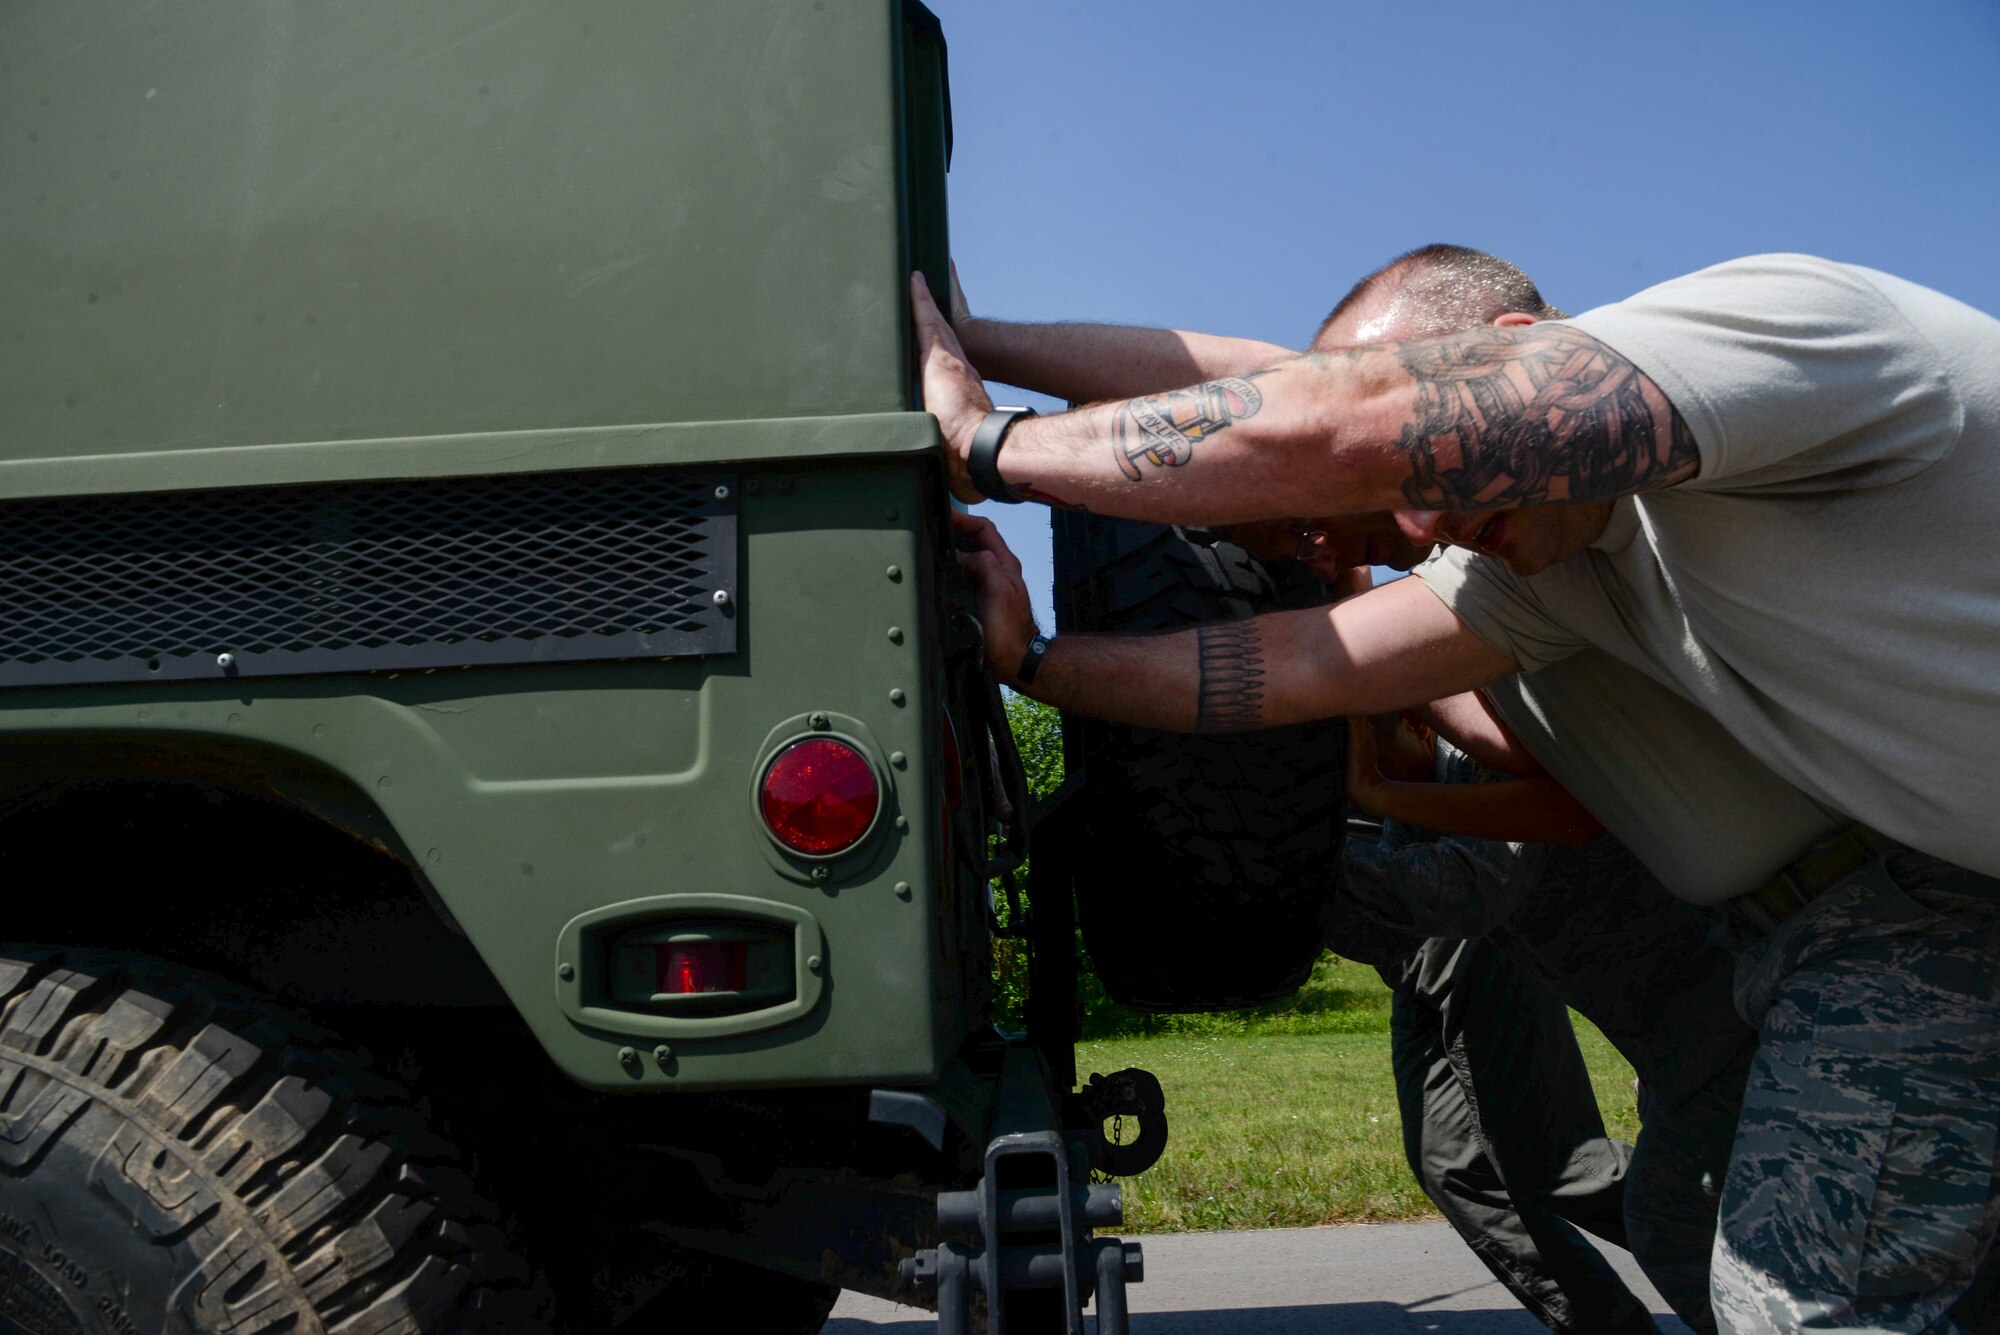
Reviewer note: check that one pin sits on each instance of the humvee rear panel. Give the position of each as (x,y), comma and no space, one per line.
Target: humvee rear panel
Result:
(249,226)
(325,330)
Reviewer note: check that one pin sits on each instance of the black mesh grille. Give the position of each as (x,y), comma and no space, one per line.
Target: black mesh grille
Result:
(616,563)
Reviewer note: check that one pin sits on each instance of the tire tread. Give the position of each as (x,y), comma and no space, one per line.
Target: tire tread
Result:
(234,1108)
(1208,859)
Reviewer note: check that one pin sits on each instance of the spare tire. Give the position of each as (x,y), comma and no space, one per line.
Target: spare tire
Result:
(1205,861)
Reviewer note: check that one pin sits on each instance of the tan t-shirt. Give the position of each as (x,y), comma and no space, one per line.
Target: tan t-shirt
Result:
(1680,792)
(1828,587)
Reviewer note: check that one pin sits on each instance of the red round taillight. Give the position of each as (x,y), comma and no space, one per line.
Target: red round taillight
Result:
(819,796)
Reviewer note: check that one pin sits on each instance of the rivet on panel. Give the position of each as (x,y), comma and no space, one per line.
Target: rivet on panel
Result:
(902,825)
(895,634)
(565,971)
(896,696)
(903,890)
(812,964)
(895,574)
(899,760)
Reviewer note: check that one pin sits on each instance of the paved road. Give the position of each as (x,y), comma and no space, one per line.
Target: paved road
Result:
(1391,1279)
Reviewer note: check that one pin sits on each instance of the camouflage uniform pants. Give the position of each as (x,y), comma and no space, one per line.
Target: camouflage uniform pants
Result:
(1862,1193)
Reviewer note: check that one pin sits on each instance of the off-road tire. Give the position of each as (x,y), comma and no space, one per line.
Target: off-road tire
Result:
(179,1155)
(735,1295)
(1207,860)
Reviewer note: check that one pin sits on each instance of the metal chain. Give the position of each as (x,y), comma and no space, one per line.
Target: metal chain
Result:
(1117,1137)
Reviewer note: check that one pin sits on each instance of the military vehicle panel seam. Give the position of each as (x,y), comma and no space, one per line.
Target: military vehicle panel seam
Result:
(774,440)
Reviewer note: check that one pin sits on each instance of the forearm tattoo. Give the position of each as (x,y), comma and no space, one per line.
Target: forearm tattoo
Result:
(1508,417)
(1230,697)
(1163,429)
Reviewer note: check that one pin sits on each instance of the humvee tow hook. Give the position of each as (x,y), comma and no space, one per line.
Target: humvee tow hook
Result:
(1033,1237)
(1127,1093)
(1027,1225)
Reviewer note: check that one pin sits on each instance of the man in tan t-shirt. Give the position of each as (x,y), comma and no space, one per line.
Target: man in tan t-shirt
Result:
(1733,483)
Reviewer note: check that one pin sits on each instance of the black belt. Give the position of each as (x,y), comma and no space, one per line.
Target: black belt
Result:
(1805,877)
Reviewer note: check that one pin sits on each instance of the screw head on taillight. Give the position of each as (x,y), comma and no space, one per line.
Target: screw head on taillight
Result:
(819,796)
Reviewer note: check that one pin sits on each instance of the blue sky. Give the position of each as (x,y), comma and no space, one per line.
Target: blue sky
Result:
(1233,168)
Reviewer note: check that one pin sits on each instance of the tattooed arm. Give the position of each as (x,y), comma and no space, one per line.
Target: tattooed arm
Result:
(1489,419)
(1386,649)
(1527,415)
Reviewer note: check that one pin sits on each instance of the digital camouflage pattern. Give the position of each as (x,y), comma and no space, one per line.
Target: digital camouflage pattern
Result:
(1863,1194)
(1592,924)
(1601,933)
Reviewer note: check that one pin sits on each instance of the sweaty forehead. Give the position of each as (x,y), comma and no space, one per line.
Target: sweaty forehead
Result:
(1378,317)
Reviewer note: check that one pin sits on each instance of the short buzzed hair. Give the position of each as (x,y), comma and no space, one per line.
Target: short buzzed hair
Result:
(1444,289)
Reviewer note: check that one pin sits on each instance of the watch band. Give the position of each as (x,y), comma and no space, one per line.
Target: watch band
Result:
(1031,661)
(983,460)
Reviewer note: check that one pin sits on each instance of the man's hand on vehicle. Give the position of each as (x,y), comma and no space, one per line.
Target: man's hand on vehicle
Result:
(953,392)
(1004,609)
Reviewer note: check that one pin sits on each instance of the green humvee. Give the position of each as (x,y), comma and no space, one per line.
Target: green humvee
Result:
(475,590)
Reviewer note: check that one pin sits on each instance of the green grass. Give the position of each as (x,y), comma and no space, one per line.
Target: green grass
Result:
(1286,1117)
(1611,1078)
(1341,997)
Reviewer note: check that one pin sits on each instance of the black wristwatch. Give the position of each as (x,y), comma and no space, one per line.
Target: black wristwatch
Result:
(1031,661)
(983,460)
